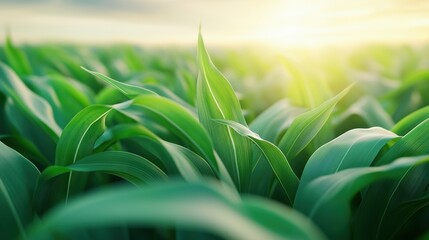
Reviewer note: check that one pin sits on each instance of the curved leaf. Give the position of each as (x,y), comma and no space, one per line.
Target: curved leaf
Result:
(32,104)
(327,199)
(129,90)
(18,178)
(216,100)
(207,207)
(305,127)
(131,167)
(279,164)
(355,148)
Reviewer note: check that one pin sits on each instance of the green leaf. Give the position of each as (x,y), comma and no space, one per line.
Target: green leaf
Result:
(16,58)
(326,199)
(174,157)
(80,135)
(36,107)
(18,178)
(176,119)
(131,167)
(371,111)
(411,121)
(275,120)
(355,148)
(415,142)
(216,100)
(207,207)
(278,162)
(129,90)
(305,127)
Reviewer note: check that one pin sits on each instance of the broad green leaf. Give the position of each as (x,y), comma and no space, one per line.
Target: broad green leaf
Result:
(175,158)
(80,135)
(278,162)
(207,207)
(411,121)
(326,199)
(36,107)
(176,119)
(415,142)
(18,178)
(305,127)
(129,90)
(131,167)
(355,148)
(216,100)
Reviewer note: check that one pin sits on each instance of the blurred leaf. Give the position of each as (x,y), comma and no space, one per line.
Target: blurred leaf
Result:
(32,104)
(305,127)
(16,58)
(207,207)
(18,178)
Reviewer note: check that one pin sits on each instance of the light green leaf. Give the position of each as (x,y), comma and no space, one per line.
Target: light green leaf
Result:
(305,127)
(278,162)
(371,112)
(275,120)
(216,100)
(129,90)
(355,148)
(415,142)
(411,121)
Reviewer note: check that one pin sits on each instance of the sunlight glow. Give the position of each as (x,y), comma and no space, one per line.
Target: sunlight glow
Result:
(277,22)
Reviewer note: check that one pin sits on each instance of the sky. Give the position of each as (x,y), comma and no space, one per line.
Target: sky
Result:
(276,22)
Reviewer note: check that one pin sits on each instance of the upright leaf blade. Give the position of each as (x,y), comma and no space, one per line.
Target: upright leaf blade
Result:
(216,100)
(278,162)
(305,127)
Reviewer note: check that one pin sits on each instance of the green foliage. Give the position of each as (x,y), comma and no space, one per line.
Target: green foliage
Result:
(150,143)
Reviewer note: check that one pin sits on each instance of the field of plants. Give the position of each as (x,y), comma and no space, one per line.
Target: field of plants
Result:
(125,142)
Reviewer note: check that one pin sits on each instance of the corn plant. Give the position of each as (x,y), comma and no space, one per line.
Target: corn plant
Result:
(162,148)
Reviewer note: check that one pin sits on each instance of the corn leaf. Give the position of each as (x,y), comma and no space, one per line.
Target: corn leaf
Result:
(355,148)
(305,127)
(36,107)
(326,199)
(278,162)
(131,167)
(18,178)
(216,100)
(206,207)
(129,90)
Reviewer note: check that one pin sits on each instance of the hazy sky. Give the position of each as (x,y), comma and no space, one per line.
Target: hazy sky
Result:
(287,22)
